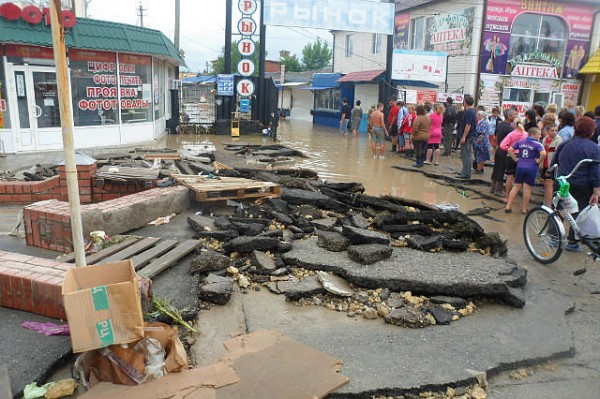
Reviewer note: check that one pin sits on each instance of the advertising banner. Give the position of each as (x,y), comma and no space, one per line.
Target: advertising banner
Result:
(536,38)
(401,28)
(451,33)
(419,65)
(346,15)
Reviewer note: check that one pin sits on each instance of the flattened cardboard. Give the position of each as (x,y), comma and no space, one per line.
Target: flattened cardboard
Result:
(102,305)
(272,365)
(189,384)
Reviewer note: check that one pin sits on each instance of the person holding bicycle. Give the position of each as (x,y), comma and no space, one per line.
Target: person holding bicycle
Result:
(585,182)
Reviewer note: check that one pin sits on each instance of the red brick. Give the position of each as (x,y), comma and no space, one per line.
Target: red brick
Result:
(17,257)
(2,188)
(51,263)
(6,298)
(28,293)
(16,286)
(39,298)
(10,188)
(50,298)
(22,198)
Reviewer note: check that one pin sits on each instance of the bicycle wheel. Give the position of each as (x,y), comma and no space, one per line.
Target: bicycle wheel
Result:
(544,235)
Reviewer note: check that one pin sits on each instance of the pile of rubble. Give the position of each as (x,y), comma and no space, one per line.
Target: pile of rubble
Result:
(329,244)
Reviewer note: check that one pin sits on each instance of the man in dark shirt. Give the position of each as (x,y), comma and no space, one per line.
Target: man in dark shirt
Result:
(345,118)
(466,132)
(503,129)
(596,136)
(448,125)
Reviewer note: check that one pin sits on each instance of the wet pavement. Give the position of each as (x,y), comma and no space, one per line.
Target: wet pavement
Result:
(348,158)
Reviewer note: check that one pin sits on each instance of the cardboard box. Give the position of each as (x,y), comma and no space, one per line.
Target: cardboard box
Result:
(102,304)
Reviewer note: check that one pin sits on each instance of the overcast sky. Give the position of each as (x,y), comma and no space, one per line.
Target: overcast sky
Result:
(202,27)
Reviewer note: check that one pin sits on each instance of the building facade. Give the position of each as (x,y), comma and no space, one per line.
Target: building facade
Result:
(503,52)
(120,77)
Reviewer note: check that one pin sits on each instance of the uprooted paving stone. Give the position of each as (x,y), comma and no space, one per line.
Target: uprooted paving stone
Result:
(209,260)
(307,287)
(464,275)
(262,263)
(364,236)
(367,254)
(334,284)
(216,289)
(332,241)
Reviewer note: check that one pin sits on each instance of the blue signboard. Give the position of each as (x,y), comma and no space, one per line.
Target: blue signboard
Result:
(344,15)
(245,105)
(224,85)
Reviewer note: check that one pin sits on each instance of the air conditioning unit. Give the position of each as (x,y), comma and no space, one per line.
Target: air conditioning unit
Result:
(558,99)
(175,84)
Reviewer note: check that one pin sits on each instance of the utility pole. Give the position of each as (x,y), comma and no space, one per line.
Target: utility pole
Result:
(177,21)
(141,15)
(385,88)
(66,120)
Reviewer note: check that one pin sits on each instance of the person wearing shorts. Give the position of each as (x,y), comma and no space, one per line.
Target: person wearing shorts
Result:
(379,131)
(531,155)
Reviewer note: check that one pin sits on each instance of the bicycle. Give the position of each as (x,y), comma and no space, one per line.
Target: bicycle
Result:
(544,230)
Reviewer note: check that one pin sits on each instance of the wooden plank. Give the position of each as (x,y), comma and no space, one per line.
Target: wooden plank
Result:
(146,256)
(168,260)
(184,167)
(113,249)
(70,257)
(132,250)
(167,156)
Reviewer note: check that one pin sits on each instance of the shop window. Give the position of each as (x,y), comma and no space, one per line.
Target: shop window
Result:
(135,88)
(517,95)
(4,111)
(349,45)
(376,40)
(94,87)
(536,33)
(327,99)
(417,33)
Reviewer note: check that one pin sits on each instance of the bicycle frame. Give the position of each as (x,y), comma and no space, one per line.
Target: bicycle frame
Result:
(556,213)
(559,210)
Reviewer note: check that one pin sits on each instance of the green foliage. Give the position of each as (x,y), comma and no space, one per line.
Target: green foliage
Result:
(292,64)
(219,64)
(316,55)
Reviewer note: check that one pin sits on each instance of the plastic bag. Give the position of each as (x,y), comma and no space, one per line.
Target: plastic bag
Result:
(154,355)
(569,203)
(588,221)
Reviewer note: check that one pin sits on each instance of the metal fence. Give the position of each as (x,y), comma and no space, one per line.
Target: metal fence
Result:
(198,107)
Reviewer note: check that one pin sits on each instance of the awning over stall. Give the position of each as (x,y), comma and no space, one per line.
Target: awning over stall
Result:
(593,65)
(361,77)
(322,81)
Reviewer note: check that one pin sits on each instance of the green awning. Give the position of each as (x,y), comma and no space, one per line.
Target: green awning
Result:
(92,34)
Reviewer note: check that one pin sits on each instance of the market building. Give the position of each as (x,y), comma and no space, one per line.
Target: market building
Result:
(504,52)
(120,79)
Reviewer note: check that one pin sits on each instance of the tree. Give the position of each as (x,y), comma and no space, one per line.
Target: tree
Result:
(219,64)
(316,55)
(291,62)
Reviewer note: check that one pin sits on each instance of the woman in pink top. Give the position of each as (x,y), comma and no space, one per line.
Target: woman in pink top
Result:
(511,166)
(435,134)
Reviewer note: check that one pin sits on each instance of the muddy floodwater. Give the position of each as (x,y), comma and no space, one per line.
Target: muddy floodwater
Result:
(349,158)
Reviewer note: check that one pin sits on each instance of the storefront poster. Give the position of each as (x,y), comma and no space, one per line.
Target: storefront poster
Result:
(494,53)
(401,28)
(451,33)
(19,51)
(490,91)
(570,90)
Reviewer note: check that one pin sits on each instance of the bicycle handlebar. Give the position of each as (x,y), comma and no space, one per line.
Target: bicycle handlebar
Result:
(587,160)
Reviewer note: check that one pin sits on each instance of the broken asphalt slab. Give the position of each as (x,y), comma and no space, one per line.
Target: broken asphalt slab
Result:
(442,273)
(382,359)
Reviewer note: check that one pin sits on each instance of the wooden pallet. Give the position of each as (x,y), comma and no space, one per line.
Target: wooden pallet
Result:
(169,156)
(149,255)
(225,188)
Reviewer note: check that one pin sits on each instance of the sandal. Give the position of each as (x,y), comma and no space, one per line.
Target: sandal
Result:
(507,210)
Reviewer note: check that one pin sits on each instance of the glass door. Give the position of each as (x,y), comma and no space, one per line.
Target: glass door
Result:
(38,111)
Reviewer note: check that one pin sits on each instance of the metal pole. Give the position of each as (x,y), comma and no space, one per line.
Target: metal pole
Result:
(177,21)
(66,119)
(263,112)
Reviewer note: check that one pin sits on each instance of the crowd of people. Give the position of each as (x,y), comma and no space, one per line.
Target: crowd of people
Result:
(520,148)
